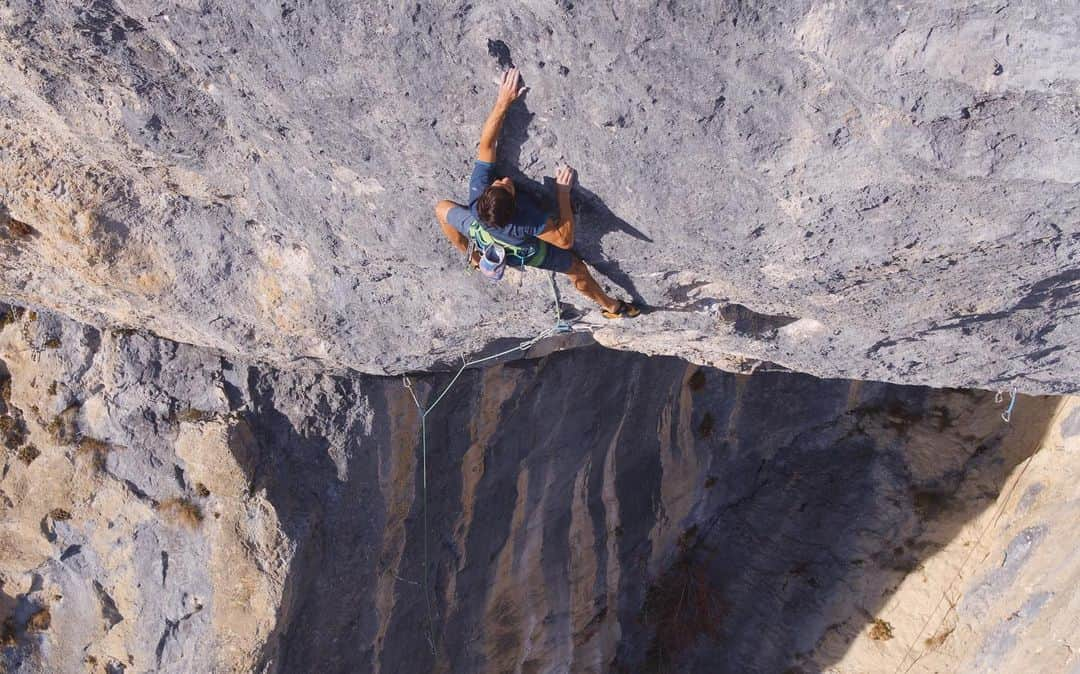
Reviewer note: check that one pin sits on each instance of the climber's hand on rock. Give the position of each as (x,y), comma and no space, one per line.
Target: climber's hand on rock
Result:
(564,178)
(511,88)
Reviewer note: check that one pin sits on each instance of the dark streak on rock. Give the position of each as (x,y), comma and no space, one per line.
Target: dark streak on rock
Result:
(109,612)
(70,552)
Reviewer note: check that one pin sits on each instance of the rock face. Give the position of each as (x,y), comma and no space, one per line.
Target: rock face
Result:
(848,190)
(217,240)
(588,511)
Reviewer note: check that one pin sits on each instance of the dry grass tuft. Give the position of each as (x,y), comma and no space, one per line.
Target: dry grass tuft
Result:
(683,605)
(181,511)
(62,429)
(40,621)
(27,454)
(880,630)
(193,416)
(12,431)
(97,450)
(93,445)
(940,638)
(7,633)
(19,229)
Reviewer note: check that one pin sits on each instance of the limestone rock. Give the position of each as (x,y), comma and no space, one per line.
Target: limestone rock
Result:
(198,513)
(216,236)
(859,191)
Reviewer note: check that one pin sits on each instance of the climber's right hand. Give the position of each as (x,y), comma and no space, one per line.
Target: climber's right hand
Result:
(564,178)
(510,88)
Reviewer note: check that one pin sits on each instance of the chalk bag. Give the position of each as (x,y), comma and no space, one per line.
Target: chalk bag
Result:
(493,262)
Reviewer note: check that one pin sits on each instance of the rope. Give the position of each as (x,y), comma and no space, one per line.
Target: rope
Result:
(560,327)
(960,570)
(1006,416)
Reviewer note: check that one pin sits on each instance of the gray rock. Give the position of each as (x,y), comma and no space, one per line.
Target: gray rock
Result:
(216,237)
(212,514)
(865,192)
(1019,550)
(1003,638)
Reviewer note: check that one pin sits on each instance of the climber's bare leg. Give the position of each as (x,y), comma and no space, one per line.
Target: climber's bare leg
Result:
(587,285)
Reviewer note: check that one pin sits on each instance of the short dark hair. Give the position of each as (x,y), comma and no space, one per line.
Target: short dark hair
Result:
(495,206)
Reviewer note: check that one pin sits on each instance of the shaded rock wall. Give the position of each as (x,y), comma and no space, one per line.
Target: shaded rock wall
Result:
(587,511)
(846,189)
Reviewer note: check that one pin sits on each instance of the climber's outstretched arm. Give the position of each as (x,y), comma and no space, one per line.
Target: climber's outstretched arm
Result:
(509,91)
(560,230)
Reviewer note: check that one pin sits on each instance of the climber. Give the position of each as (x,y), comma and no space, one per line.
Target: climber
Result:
(513,226)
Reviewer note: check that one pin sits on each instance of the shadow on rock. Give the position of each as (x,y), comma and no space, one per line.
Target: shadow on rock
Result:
(673,518)
(593,218)
(282,444)
(812,526)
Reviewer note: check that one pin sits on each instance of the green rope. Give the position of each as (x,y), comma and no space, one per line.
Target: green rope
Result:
(560,327)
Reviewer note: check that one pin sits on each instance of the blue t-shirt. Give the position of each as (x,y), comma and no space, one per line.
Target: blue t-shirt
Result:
(528,220)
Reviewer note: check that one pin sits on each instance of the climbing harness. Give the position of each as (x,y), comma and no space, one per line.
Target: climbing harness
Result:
(529,255)
(560,327)
(484,238)
(1006,416)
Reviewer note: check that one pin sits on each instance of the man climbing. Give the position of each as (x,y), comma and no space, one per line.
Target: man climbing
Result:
(528,234)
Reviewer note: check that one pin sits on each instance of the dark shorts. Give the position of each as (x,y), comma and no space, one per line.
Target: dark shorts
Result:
(547,257)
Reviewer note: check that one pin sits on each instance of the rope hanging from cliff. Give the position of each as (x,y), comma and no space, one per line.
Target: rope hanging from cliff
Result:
(560,327)
(999,511)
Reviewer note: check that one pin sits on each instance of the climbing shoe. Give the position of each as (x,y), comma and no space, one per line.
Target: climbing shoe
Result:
(624,310)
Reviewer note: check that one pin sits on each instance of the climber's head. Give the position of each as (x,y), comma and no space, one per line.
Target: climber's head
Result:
(496,204)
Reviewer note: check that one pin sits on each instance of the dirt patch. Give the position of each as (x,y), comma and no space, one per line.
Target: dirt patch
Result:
(40,621)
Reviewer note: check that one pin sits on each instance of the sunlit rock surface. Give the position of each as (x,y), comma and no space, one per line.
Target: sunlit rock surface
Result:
(590,511)
(216,236)
(852,190)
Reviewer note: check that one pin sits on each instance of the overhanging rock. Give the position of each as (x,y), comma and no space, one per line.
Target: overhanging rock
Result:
(863,191)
